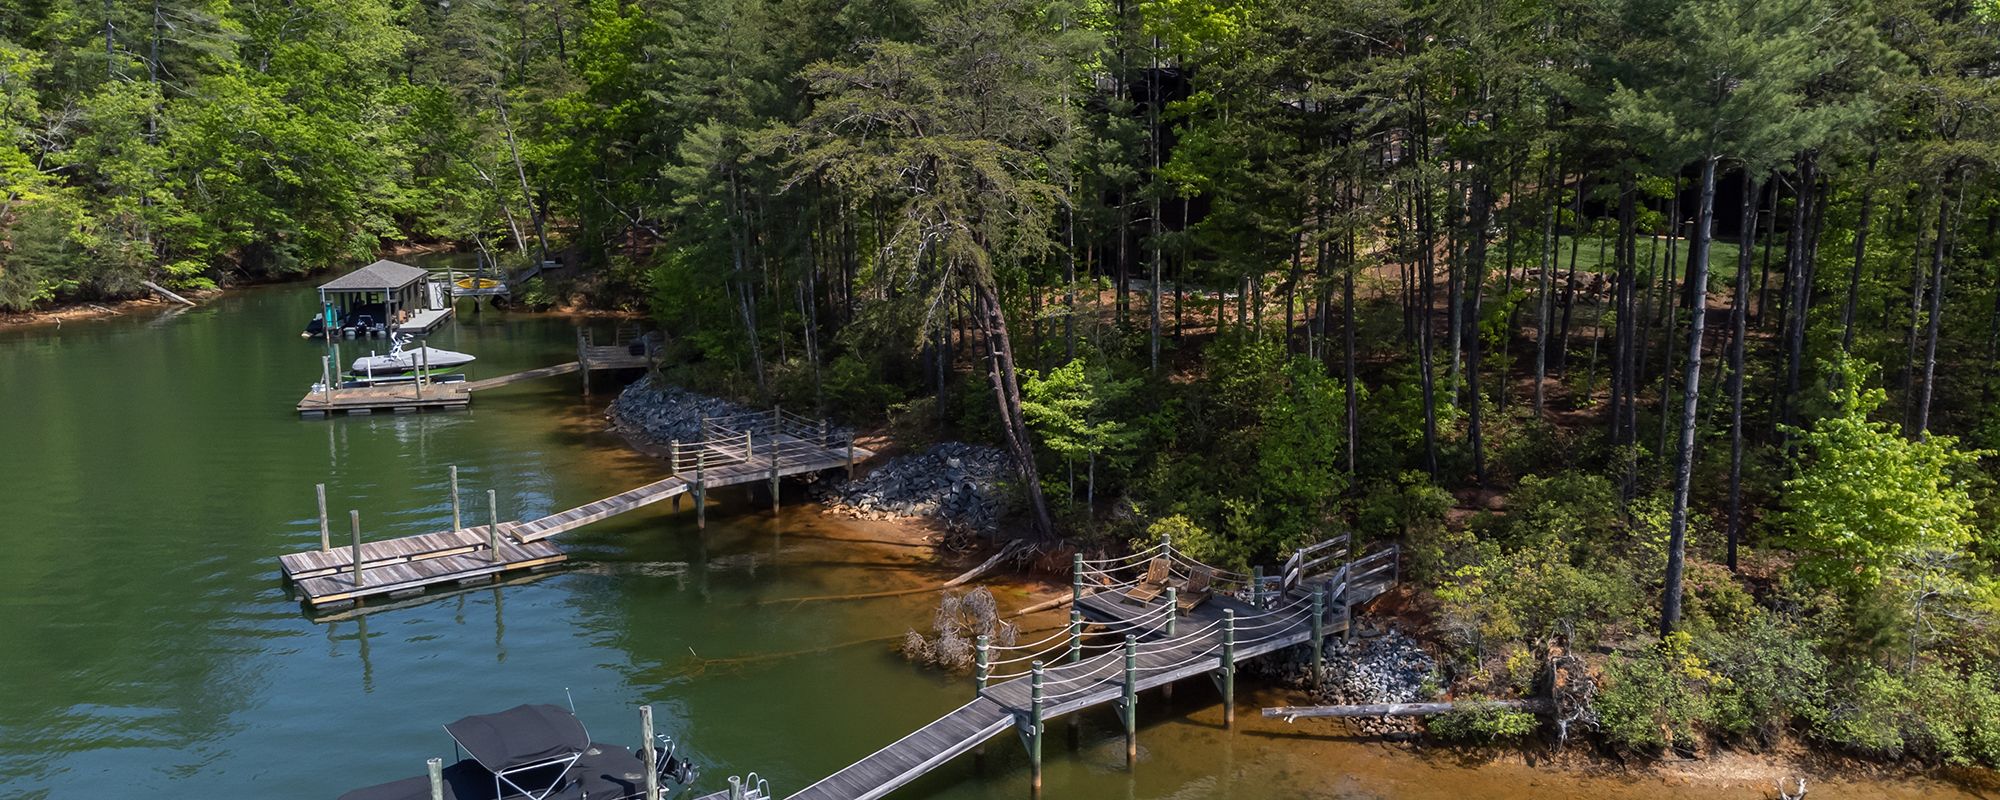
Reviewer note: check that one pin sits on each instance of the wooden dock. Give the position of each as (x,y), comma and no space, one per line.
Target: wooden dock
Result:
(749,448)
(1210,640)
(412,397)
(404,398)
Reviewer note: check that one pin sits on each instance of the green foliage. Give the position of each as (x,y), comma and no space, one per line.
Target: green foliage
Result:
(1482,723)
(1864,496)
(1657,699)
(1409,507)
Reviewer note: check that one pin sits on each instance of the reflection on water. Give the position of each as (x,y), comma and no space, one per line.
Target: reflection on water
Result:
(151,469)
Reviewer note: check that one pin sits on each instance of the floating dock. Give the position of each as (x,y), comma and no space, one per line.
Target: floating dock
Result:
(424,320)
(409,398)
(748,448)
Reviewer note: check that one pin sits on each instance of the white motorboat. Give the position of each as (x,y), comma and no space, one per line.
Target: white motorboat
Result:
(400,359)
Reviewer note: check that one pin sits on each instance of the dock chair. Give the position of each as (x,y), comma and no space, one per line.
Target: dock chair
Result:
(1153,585)
(1193,592)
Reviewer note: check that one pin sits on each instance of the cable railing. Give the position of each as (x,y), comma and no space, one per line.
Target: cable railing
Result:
(1075,661)
(770,438)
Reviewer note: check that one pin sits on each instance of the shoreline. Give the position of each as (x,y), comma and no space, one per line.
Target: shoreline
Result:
(1719,772)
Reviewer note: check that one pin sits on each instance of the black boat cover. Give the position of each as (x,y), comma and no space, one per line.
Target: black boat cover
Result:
(606,772)
(520,736)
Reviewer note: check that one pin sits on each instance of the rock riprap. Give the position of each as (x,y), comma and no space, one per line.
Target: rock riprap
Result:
(956,484)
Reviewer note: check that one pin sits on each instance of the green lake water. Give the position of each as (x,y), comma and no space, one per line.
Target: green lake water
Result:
(152,469)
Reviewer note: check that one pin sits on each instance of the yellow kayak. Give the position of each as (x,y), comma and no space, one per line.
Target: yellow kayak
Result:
(478,283)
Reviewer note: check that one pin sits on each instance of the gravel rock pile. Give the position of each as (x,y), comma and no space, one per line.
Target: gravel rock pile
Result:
(659,413)
(1390,668)
(956,484)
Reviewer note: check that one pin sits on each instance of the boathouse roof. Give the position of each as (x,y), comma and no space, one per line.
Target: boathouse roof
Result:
(381,276)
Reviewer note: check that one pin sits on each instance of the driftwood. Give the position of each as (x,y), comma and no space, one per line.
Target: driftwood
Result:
(1290,713)
(969,576)
(162,291)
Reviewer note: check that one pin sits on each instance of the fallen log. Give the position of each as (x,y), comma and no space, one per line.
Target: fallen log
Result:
(1290,713)
(162,291)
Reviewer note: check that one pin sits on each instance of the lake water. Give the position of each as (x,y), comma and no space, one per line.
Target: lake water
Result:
(152,469)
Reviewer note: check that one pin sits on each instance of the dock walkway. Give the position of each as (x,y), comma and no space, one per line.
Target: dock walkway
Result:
(1084,670)
(748,448)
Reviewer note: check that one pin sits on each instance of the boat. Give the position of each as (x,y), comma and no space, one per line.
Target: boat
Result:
(537,752)
(400,359)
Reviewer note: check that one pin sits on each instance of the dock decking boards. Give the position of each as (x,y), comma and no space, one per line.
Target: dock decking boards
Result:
(393,567)
(1004,704)
(386,399)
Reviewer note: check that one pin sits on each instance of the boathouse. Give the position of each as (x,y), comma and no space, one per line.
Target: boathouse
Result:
(383,297)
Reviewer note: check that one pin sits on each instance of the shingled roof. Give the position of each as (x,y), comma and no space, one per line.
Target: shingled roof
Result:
(381,276)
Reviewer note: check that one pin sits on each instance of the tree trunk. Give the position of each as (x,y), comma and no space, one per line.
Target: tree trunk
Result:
(1747,239)
(1007,394)
(1940,251)
(1860,255)
(1670,600)
(1475,262)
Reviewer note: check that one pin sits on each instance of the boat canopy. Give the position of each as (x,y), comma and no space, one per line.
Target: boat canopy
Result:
(526,735)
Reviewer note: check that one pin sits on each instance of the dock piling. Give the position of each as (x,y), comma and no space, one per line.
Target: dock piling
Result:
(701,489)
(354,519)
(326,379)
(983,663)
(1319,637)
(1075,635)
(651,756)
(325,540)
(1129,709)
(735,787)
(493,525)
(1173,609)
(1229,668)
(456,525)
(437,777)
(1035,728)
(1075,579)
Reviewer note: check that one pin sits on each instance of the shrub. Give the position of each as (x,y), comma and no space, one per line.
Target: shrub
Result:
(1482,723)
(1656,699)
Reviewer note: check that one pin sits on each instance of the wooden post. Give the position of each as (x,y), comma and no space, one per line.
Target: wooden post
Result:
(583,360)
(493,526)
(674,466)
(774,479)
(1319,637)
(1075,580)
(1129,709)
(325,540)
(1229,668)
(701,489)
(423,363)
(436,766)
(822,433)
(1257,587)
(354,519)
(652,756)
(456,524)
(982,660)
(1173,609)
(1035,728)
(1075,635)
(326,382)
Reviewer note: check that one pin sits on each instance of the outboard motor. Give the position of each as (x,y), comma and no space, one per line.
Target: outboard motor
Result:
(672,769)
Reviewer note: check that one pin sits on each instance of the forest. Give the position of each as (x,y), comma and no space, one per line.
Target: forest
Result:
(1659,332)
